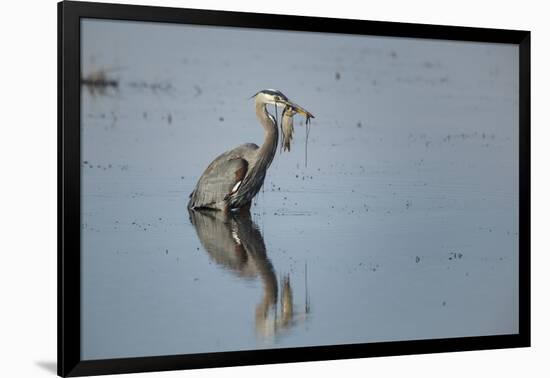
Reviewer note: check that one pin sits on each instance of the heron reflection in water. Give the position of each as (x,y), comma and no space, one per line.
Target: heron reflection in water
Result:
(233,241)
(234,178)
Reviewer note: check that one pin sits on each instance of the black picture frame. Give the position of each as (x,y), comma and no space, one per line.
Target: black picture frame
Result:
(69,15)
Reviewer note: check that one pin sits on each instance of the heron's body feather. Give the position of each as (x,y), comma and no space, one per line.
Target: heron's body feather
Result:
(221,176)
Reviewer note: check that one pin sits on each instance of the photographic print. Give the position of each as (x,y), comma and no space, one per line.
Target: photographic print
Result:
(240,188)
(246,189)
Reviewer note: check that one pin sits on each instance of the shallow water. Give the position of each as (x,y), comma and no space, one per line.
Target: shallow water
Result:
(402,226)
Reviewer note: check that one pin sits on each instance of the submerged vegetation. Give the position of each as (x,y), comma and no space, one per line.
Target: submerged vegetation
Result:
(98,82)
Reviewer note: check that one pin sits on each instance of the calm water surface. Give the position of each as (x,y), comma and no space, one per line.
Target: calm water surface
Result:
(403,225)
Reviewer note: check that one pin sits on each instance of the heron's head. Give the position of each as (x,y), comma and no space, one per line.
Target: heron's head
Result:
(271,96)
(275,97)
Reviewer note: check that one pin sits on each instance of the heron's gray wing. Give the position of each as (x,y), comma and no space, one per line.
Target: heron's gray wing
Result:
(218,181)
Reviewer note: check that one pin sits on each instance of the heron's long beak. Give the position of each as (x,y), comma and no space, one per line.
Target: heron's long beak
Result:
(298,109)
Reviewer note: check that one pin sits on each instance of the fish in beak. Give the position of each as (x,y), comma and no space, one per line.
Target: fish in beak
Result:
(287,122)
(287,127)
(298,109)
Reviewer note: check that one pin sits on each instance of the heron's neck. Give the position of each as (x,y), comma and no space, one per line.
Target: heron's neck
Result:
(269,147)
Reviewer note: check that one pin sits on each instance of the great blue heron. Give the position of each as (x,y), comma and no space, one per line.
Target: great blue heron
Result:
(233,179)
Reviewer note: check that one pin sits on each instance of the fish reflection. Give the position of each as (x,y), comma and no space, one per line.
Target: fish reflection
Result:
(234,241)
